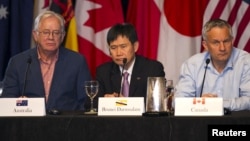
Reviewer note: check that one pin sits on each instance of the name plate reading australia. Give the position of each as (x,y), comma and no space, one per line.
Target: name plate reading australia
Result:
(187,106)
(121,106)
(22,107)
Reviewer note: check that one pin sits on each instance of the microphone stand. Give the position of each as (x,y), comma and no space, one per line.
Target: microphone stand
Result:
(207,62)
(124,61)
(26,74)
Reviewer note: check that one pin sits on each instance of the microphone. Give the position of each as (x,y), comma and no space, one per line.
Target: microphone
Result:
(207,62)
(29,60)
(124,61)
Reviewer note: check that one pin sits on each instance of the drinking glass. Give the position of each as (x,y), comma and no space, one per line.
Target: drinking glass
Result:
(1,88)
(91,88)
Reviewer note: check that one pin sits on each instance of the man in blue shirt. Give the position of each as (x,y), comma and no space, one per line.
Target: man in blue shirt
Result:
(227,75)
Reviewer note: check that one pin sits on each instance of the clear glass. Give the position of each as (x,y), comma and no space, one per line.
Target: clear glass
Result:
(91,88)
(1,87)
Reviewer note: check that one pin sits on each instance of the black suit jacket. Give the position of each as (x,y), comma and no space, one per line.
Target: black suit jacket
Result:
(109,77)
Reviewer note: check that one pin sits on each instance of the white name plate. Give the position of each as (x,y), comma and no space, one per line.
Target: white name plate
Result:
(22,107)
(121,106)
(185,106)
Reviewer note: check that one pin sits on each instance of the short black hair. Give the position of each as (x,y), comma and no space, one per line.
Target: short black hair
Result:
(122,29)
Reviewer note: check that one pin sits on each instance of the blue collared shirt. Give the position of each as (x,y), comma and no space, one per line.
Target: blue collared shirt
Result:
(233,83)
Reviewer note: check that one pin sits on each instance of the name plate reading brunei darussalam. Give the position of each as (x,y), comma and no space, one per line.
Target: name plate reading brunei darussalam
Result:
(188,106)
(121,106)
(22,107)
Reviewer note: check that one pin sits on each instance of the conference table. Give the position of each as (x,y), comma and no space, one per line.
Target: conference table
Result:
(75,126)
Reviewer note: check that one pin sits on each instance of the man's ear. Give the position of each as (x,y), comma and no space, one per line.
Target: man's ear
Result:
(204,44)
(34,33)
(62,37)
(136,46)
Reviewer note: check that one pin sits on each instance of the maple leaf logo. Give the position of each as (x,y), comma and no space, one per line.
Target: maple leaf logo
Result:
(108,14)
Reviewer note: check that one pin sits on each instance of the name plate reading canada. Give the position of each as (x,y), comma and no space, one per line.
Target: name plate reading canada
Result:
(188,106)
(22,107)
(121,106)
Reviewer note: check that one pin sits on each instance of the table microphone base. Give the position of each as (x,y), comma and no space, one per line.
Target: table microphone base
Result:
(155,114)
(90,113)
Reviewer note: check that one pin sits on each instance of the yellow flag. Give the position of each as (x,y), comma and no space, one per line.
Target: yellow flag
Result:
(71,38)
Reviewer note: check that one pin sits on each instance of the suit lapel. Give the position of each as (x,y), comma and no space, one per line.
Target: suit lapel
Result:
(116,78)
(58,73)
(35,70)
(136,76)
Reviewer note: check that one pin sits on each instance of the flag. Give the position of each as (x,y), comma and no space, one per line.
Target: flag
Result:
(145,16)
(94,18)
(179,25)
(21,102)
(66,9)
(40,6)
(237,13)
(180,33)
(16,18)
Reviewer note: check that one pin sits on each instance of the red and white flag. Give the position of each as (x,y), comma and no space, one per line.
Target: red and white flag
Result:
(237,13)
(172,28)
(94,18)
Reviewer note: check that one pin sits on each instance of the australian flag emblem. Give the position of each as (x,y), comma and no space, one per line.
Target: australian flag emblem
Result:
(22,103)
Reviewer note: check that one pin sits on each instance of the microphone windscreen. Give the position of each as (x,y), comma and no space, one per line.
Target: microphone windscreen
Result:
(124,60)
(207,61)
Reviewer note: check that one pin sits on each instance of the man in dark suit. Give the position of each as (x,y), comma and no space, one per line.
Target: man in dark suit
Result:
(123,43)
(53,71)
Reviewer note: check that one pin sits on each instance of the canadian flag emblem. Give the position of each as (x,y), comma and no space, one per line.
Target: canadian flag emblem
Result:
(199,101)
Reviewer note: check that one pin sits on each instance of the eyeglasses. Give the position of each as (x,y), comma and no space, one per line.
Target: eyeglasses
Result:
(46,33)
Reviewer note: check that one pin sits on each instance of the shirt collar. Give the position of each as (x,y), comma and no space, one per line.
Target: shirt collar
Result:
(229,63)
(41,59)
(129,70)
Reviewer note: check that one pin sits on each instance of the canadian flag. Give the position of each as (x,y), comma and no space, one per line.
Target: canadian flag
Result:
(168,30)
(94,18)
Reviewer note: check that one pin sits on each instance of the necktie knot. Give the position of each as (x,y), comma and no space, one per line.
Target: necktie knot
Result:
(125,74)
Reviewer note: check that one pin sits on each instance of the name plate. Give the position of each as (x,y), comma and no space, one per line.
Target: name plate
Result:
(22,107)
(121,106)
(185,106)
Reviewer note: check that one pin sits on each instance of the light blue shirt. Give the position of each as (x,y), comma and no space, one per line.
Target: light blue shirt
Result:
(233,83)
